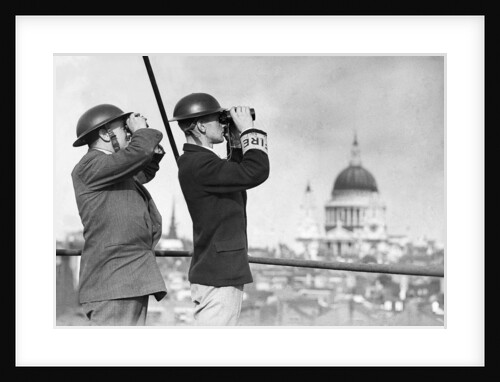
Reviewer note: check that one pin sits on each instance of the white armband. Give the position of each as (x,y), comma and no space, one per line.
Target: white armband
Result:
(253,139)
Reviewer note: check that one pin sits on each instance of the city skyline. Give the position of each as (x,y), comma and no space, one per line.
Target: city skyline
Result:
(311,107)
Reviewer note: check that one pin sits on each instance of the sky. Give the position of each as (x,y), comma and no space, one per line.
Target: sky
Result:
(310,106)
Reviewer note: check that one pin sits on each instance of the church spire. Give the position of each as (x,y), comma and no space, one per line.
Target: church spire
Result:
(172,233)
(355,152)
(308,226)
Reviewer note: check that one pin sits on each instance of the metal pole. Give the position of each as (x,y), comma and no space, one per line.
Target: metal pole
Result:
(398,269)
(160,105)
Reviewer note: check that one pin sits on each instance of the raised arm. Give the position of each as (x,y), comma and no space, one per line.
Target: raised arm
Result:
(104,170)
(221,176)
(149,171)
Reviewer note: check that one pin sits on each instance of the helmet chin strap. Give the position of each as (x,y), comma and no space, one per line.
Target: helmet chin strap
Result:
(190,131)
(114,140)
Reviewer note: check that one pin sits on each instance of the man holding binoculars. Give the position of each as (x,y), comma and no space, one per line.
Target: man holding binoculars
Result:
(118,269)
(215,192)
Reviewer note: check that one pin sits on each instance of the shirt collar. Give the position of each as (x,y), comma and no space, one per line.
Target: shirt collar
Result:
(211,149)
(195,147)
(102,150)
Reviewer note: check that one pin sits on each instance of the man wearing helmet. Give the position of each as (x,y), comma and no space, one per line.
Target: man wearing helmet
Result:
(215,192)
(118,270)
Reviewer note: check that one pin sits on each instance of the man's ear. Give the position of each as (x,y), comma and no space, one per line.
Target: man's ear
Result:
(201,127)
(103,134)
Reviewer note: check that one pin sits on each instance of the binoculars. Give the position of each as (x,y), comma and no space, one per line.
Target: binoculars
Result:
(225,116)
(128,132)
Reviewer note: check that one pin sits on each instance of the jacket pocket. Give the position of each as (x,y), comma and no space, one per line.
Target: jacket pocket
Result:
(125,247)
(235,244)
(118,244)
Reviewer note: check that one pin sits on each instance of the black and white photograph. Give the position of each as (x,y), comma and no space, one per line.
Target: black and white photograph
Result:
(348,168)
(220,185)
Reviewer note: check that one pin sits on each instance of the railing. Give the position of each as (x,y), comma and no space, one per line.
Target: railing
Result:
(401,269)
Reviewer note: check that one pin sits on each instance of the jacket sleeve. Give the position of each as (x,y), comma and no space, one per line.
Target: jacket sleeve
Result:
(149,171)
(235,154)
(221,176)
(104,170)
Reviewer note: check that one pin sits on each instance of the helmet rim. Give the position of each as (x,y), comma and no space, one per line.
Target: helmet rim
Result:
(194,115)
(195,105)
(80,141)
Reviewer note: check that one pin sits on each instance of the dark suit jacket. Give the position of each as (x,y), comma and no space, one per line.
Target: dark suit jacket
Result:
(121,224)
(215,193)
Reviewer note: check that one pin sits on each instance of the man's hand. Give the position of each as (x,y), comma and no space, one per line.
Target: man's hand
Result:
(159,149)
(242,118)
(136,122)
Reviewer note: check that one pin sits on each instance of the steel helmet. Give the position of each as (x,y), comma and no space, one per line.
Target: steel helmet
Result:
(195,105)
(95,118)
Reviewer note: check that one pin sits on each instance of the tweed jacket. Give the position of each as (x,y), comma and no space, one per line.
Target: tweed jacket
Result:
(121,224)
(215,193)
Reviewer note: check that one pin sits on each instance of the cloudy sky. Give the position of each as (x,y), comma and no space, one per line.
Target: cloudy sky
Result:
(310,106)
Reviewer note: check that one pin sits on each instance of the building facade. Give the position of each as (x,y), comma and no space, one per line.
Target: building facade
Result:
(354,226)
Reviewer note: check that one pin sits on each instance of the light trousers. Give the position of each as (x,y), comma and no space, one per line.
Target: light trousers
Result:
(216,306)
